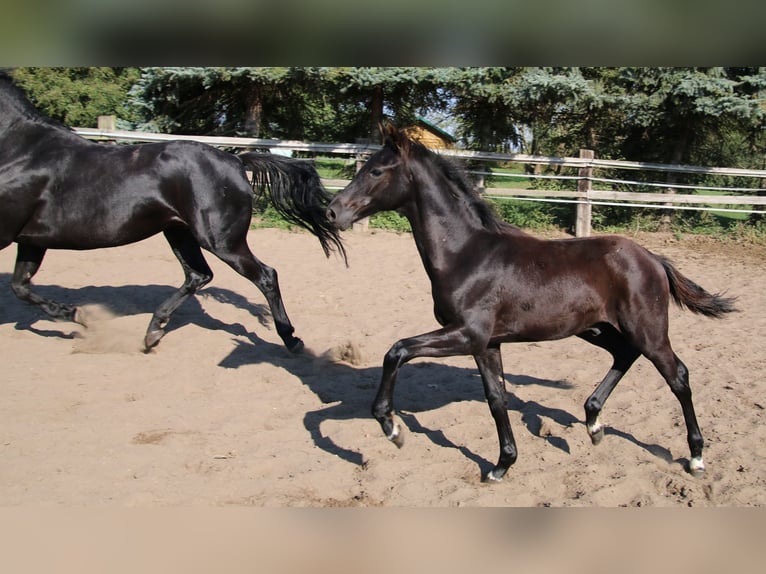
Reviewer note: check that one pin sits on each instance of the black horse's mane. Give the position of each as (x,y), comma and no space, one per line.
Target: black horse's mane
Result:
(16,99)
(14,95)
(456,174)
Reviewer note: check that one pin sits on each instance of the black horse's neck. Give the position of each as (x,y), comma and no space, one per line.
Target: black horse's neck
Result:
(14,106)
(17,110)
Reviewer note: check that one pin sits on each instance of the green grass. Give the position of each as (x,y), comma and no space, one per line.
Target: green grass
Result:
(335,168)
(390,221)
(518,181)
(268,217)
(726,215)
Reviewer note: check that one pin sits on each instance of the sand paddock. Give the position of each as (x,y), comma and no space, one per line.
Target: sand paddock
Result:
(221,414)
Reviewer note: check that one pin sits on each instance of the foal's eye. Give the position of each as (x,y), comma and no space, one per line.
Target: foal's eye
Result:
(375,172)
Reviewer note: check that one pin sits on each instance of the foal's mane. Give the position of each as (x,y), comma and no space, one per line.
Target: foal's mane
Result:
(461,186)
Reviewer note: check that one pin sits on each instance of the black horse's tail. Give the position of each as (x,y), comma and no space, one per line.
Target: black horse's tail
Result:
(686,293)
(297,193)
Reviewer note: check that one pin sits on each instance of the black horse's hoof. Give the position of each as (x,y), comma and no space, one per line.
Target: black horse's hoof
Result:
(152,338)
(295,345)
(78,317)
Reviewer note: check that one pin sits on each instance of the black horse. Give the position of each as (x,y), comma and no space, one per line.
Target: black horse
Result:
(61,191)
(493,284)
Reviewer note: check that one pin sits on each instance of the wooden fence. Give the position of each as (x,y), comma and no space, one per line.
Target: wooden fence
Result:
(583,194)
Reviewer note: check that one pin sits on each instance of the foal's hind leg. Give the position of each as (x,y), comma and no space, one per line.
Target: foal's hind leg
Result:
(677,376)
(197,272)
(624,355)
(264,277)
(28,260)
(491,368)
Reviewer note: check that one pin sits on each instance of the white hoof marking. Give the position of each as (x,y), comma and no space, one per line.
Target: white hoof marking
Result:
(696,465)
(597,426)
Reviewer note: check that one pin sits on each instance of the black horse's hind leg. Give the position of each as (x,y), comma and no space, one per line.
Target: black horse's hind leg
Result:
(197,272)
(28,260)
(265,278)
(624,355)
(491,368)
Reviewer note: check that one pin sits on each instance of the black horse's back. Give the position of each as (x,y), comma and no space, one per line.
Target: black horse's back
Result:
(61,191)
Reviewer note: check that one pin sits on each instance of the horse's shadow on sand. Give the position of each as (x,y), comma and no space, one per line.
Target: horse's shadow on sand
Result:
(125,300)
(421,386)
(347,390)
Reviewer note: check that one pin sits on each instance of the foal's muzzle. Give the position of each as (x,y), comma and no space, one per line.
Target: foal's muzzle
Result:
(339,216)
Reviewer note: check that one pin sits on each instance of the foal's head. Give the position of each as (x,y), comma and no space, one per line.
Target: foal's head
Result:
(387,182)
(382,184)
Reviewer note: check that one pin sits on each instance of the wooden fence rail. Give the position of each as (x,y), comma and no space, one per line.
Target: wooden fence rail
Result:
(584,196)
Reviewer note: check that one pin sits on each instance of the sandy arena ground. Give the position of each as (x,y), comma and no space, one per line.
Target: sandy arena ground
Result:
(221,414)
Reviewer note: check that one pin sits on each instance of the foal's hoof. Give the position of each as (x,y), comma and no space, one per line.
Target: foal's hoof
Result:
(295,345)
(152,338)
(493,476)
(597,436)
(696,467)
(396,437)
(595,431)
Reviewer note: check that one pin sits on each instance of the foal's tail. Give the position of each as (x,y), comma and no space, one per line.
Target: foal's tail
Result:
(296,192)
(686,293)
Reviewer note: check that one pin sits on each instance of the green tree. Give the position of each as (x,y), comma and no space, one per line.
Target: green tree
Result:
(548,103)
(209,101)
(293,103)
(400,93)
(487,119)
(670,111)
(540,111)
(691,116)
(77,96)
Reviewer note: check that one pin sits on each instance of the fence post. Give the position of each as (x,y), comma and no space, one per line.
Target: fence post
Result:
(107,123)
(584,208)
(361,158)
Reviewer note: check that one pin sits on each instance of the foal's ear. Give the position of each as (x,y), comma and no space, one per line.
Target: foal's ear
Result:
(394,138)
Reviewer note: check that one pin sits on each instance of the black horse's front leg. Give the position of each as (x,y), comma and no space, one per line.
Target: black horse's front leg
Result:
(28,261)
(269,286)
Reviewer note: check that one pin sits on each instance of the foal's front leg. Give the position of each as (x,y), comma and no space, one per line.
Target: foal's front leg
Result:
(491,368)
(446,342)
